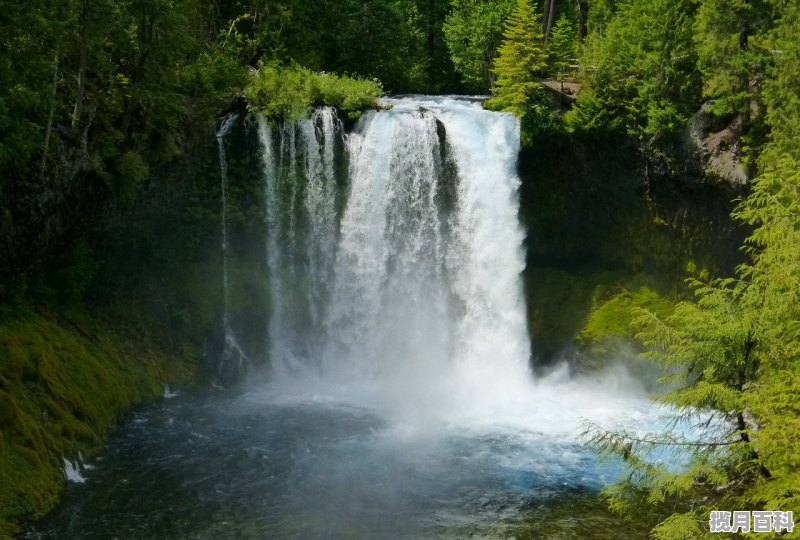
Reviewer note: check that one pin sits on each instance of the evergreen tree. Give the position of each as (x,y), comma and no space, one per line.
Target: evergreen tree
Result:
(521,59)
(641,70)
(473,32)
(563,47)
(380,38)
(600,15)
(442,75)
(732,57)
(737,347)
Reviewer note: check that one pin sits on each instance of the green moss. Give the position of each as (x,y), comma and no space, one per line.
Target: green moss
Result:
(63,386)
(586,314)
(558,302)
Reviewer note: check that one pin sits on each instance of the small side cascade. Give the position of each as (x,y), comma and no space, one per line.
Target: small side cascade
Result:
(233,357)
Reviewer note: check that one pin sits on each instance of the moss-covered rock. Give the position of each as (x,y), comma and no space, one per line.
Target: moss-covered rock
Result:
(64,384)
(607,334)
(586,314)
(605,233)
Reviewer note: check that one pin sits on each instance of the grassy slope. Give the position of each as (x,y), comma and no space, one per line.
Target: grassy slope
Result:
(64,383)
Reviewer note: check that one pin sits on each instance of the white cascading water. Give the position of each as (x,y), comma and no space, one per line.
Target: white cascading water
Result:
(413,292)
(299,187)
(232,348)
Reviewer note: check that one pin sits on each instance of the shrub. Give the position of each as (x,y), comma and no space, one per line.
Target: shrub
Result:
(291,92)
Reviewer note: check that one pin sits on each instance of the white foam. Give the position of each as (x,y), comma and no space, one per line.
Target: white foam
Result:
(72,471)
(414,307)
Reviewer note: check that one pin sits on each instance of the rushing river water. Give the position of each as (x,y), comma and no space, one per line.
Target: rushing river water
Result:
(398,400)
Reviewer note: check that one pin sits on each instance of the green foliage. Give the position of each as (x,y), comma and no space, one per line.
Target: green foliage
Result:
(592,117)
(291,92)
(610,319)
(440,74)
(381,39)
(473,32)
(392,40)
(347,94)
(737,347)
(782,85)
(686,526)
(712,341)
(132,171)
(542,118)
(731,52)
(641,70)
(212,79)
(521,59)
(601,13)
(774,277)
(31,33)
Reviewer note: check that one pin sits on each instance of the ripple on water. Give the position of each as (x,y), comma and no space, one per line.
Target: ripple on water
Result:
(252,466)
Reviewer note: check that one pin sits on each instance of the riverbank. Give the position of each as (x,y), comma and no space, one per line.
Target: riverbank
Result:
(66,382)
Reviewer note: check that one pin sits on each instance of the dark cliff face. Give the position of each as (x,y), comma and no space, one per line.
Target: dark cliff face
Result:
(596,213)
(600,216)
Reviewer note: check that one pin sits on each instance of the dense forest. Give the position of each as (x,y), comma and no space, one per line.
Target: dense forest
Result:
(108,107)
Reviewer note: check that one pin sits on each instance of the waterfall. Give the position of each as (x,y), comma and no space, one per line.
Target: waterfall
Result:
(300,220)
(232,348)
(414,287)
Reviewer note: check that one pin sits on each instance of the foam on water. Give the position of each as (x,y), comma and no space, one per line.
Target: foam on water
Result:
(72,471)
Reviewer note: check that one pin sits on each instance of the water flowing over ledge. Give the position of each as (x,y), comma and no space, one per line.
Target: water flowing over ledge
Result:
(414,287)
(396,398)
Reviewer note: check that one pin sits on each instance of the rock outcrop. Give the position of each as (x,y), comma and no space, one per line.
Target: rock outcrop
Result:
(717,145)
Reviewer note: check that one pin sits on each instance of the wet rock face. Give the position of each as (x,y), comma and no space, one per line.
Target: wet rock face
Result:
(717,146)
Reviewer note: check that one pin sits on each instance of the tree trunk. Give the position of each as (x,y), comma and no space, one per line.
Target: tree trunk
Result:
(49,128)
(84,38)
(545,15)
(749,345)
(583,17)
(742,425)
(744,35)
(551,17)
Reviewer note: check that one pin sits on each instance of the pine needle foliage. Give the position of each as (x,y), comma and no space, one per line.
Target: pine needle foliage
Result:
(731,53)
(522,57)
(736,348)
(640,70)
(563,48)
(473,31)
